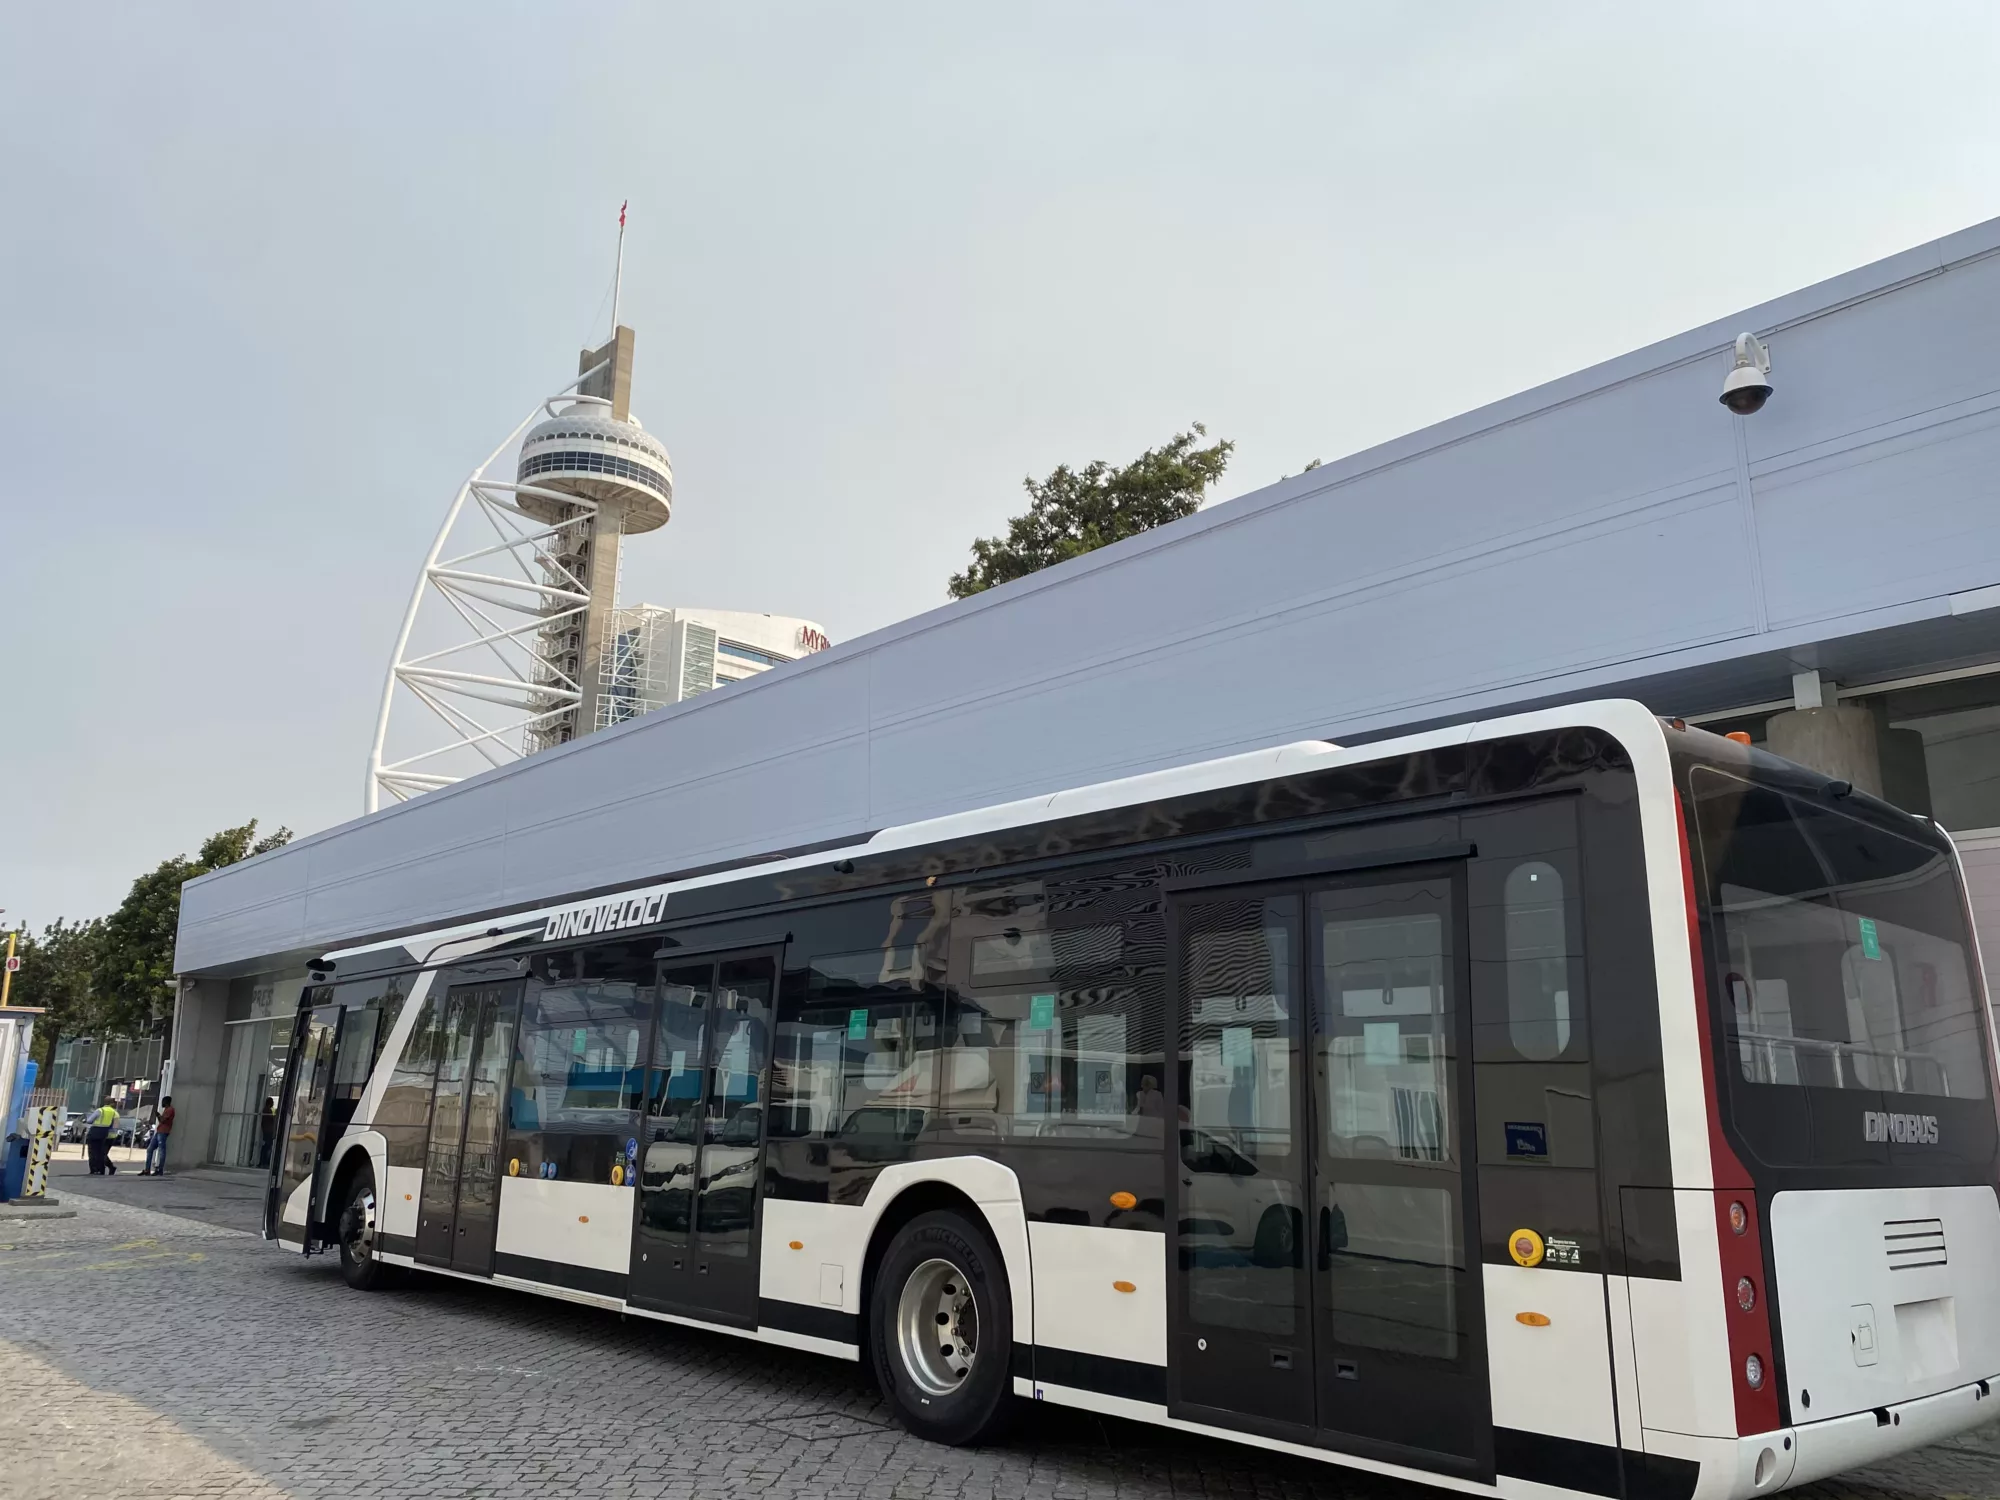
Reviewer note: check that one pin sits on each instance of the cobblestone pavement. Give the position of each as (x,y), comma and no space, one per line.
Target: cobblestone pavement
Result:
(211,1195)
(172,1356)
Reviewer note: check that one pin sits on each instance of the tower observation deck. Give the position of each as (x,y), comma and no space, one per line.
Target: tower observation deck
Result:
(595,476)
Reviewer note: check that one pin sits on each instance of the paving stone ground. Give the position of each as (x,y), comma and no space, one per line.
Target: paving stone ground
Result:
(146,1355)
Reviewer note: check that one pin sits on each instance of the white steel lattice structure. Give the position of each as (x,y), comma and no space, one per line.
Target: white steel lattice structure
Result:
(499,651)
(633,675)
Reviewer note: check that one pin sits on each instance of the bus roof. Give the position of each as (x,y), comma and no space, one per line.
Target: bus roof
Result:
(1630,723)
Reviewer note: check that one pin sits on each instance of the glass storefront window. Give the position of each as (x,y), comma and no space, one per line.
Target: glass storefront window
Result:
(253,1075)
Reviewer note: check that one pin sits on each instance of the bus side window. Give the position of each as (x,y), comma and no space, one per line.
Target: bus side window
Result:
(855,1048)
(856,1072)
(1057,1012)
(579,1065)
(404,1115)
(372,1006)
(1538,1008)
(805,1076)
(1049,1062)
(1532,1083)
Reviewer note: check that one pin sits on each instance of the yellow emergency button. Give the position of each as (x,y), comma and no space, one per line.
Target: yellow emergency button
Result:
(1526,1247)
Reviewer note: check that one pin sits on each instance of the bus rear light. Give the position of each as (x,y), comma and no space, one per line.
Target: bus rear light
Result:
(1742,1255)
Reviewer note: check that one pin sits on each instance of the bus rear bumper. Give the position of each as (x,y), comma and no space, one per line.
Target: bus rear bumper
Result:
(1841,1443)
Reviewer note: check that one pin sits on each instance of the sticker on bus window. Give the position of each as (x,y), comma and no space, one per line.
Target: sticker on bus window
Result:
(1871,942)
(1041,1012)
(857,1025)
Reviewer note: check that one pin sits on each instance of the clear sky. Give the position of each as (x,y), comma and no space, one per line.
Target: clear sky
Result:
(272,280)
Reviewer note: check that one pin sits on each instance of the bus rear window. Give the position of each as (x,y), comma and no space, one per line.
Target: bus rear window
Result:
(1844,983)
(1844,958)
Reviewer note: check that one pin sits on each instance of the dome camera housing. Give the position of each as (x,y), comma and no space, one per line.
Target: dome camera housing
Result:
(1747,386)
(1745,391)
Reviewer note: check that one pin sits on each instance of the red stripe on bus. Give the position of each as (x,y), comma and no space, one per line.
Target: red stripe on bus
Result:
(1741,1256)
(1727,1168)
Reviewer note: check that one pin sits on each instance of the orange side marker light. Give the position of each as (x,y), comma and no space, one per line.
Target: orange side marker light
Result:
(1533,1320)
(798,1244)
(1124,1200)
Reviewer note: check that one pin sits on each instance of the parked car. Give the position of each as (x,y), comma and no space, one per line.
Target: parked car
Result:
(130,1128)
(72,1126)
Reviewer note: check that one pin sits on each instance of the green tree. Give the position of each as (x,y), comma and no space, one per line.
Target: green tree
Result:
(1075,511)
(56,975)
(136,952)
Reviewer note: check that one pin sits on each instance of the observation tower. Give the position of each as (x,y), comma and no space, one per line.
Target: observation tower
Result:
(507,647)
(595,476)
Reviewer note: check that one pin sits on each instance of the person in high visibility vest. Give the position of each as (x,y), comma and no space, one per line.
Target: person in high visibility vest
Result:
(97,1137)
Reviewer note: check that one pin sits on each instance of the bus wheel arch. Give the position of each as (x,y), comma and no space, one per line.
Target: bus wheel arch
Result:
(937,1246)
(912,1202)
(356,1189)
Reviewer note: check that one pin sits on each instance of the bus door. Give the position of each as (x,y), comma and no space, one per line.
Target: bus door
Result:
(694,1244)
(1325,1240)
(302,1119)
(459,1208)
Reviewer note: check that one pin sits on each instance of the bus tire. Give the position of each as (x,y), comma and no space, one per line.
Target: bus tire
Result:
(942,1330)
(357,1227)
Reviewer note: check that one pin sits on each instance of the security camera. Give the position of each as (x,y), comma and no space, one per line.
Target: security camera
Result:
(1748,385)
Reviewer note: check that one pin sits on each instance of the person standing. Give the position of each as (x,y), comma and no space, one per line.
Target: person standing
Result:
(97,1140)
(267,1130)
(156,1145)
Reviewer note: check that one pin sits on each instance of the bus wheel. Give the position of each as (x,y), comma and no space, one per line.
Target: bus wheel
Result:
(943,1330)
(357,1228)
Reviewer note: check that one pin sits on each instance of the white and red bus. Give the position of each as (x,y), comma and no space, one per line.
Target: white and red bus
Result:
(1573,1101)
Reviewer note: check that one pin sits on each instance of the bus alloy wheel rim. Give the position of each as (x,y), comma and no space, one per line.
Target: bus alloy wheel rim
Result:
(937,1327)
(359,1239)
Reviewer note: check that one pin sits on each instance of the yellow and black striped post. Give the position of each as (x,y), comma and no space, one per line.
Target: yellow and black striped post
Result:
(42,1146)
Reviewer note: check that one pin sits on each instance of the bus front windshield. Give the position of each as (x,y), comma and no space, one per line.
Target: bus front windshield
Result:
(1847,997)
